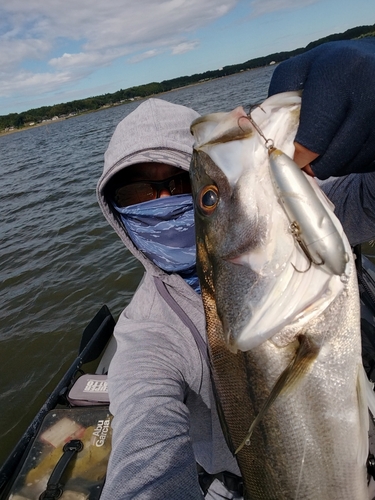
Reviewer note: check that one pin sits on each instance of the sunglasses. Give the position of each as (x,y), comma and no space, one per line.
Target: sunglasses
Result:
(140,191)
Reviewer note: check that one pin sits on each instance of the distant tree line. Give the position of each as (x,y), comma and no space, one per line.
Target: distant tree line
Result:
(38,115)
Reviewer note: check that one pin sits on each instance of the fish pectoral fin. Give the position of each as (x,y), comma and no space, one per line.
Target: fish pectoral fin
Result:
(366,401)
(306,353)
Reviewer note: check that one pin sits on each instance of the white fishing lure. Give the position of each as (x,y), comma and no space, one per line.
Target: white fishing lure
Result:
(311,223)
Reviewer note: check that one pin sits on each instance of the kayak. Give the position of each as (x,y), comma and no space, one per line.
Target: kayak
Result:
(49,461)
(69,438)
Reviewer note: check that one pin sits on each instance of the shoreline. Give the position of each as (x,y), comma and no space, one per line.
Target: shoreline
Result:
(51,122)
(30,127)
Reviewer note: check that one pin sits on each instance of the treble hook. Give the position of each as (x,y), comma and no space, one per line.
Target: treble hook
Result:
(296,231)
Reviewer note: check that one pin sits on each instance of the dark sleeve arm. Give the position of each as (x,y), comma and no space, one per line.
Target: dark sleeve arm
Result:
(338,104)
(354,200)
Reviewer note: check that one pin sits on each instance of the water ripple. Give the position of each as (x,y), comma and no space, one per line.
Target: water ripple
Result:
(60,261)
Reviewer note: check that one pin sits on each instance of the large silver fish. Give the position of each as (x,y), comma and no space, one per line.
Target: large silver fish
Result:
(282,310)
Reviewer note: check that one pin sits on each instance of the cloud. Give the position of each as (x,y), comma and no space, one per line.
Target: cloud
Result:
(97,33)
(183,47)
(180,48)
(13,52)
(145,55)
(82,60)
(113,23)
(33,82)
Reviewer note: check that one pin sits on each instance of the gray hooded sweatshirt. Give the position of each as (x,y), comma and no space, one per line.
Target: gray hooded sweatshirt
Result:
(165,419)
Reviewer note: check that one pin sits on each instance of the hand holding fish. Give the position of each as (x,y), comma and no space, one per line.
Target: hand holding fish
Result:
(336,133)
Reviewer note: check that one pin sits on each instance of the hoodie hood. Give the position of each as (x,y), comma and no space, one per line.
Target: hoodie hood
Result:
(156,131)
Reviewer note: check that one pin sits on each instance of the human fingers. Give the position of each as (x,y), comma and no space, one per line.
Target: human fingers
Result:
(303,157)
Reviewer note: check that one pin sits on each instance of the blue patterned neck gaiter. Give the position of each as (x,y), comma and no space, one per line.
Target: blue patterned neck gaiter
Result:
(163,229)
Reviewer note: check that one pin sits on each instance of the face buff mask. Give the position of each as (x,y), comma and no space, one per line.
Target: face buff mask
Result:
(163,229)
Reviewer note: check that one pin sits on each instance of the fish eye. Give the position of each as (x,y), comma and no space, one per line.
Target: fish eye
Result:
(208,199)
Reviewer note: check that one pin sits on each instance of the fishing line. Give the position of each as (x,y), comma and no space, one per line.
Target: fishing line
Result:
(269,143)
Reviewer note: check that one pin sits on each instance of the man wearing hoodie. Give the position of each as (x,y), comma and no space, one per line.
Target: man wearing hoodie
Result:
(165,419)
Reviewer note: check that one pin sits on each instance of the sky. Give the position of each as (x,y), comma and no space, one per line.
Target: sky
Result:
(54,51)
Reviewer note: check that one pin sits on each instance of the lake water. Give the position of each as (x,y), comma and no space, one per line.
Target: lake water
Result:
(59,259)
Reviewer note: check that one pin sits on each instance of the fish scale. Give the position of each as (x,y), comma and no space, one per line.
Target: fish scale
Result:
(310,444)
